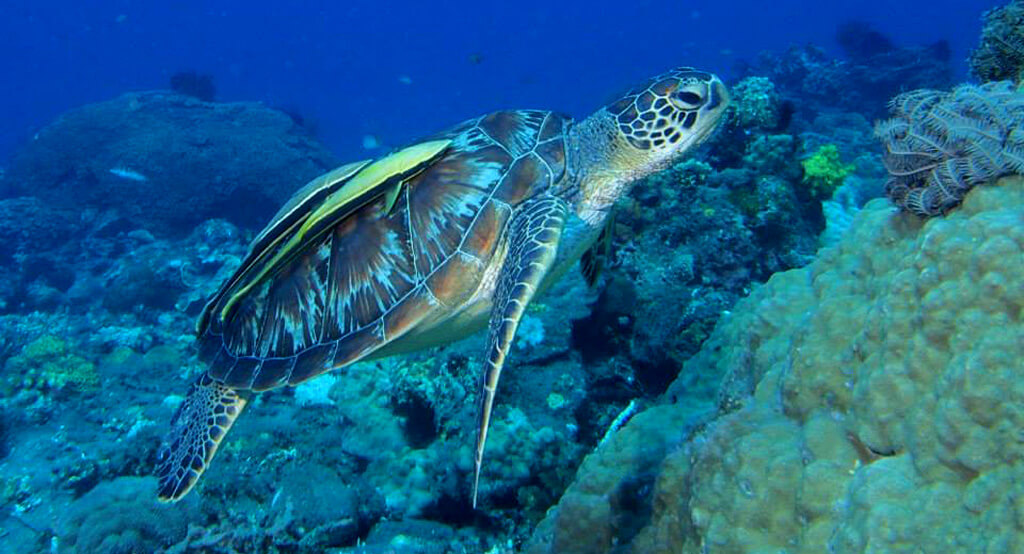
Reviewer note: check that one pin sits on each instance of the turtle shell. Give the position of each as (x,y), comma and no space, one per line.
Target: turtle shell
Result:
(327,284)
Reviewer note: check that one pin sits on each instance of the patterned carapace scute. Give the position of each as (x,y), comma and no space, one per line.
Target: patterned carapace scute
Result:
(373,276)
(645,115)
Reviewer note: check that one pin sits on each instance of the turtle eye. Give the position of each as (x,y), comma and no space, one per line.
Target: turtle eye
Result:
(689,98)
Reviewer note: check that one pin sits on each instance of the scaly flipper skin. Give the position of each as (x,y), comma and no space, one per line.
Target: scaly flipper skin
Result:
(200,424)
(533,244)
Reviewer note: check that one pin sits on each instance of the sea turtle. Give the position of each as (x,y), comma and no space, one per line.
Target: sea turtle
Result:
(433,242)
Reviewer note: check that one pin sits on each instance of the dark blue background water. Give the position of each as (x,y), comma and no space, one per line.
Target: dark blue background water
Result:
(401,69)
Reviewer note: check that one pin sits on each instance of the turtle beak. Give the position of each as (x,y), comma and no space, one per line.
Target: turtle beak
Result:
(714,108)
(718,96)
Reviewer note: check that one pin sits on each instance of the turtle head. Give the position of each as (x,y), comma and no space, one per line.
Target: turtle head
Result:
(666,117)
(644,131)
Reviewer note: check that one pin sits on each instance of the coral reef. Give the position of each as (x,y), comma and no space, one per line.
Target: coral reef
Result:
(938,145)
(30,269)
(376,458)
(28,225)
(824,171)
(49,364)
(695,237)
(414,536)
(142,156)
(755,103)
(1000,52)
(865,407)
(815,82)
(121,517)
(686,249)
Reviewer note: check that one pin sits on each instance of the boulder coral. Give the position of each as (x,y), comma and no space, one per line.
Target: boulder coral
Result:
(166,162)
(871,402)
(1000,52)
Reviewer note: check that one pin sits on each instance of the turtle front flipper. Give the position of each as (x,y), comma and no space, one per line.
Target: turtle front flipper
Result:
(533,244)
(197,428)
(595,258)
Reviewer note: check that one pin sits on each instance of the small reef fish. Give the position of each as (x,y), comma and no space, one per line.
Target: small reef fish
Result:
(130,174)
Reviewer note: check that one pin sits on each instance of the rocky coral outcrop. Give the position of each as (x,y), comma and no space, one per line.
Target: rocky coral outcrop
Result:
(862,82)
(1000,52)
(165,161)
(29,226)
(871,403)
(120,517)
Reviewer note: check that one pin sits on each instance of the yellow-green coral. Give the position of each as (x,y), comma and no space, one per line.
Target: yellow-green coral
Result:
(824,171)
(49,363)
(875,401)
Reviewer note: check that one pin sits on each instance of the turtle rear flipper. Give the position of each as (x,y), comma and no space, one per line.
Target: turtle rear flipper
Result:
(197,429)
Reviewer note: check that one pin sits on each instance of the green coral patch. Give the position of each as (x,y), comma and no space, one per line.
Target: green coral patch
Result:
(824,171)
(49,363)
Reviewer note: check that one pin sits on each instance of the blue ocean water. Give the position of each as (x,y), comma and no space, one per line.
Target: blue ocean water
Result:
(400,70)
(679,390)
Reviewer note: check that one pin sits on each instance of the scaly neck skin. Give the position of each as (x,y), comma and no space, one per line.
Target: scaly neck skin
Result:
(604,167)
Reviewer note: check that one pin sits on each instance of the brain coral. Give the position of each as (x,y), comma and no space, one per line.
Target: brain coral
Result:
(873,402)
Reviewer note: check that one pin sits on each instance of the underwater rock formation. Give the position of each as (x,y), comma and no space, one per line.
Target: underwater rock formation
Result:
(870,404)
(690,244)
(29,226)
(1000,53)
(861,42)
(194,84)
(118,517)
(30,269)
(817,82)
(166,162)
